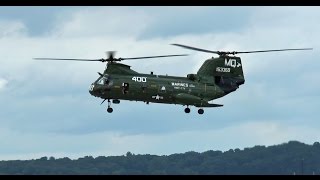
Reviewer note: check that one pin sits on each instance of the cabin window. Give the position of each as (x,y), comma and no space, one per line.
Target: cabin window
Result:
(125,88)
(144,87)
(217,79)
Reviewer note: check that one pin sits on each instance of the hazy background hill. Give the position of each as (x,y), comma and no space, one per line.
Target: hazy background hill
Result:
(289,158)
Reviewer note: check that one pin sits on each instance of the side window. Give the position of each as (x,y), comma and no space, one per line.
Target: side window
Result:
(125,88)
(144,87)
(217,80)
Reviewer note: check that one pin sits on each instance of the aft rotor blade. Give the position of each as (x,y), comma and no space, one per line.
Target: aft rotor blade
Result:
(237,52)
(272,50)
(57,59)
(147,57)
(197,49)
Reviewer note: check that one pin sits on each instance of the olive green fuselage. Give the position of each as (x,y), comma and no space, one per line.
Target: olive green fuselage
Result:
(157,89)
(120,82)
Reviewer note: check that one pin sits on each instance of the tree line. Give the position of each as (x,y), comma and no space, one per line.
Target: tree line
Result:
(292,158)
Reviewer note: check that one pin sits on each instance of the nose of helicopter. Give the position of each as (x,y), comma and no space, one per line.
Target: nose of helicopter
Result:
(92,90)
(97,90)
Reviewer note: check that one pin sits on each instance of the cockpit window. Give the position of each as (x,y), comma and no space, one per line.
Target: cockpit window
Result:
(105,80)
(102,81)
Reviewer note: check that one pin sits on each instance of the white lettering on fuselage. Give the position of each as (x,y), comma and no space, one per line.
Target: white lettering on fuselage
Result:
(179,84)
(232,63)
(221,69)
(139,79)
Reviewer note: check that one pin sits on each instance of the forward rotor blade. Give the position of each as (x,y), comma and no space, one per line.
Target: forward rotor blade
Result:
(197,49)
(147,57)
(57,59)
(240,52)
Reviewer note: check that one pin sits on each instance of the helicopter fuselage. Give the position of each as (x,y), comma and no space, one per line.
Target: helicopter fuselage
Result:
(155,89)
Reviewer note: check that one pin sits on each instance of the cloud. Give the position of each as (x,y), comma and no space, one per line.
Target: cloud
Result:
(11,28)
(280,93)
(101,22)
(34,145)
(3,83)
(194,20)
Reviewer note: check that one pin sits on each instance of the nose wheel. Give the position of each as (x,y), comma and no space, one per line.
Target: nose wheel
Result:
(187,110)
(110,110)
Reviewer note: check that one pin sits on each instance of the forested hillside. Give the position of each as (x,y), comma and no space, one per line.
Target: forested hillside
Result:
(288,158)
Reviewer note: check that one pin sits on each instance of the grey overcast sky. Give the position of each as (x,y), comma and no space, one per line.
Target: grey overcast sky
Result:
(46,109)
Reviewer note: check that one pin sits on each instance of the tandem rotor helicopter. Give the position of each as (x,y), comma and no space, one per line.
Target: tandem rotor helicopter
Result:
(216,78)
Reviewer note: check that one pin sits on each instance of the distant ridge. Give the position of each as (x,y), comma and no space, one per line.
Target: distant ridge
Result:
(292,158)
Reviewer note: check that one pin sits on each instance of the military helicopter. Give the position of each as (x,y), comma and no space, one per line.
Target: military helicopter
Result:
(216,78)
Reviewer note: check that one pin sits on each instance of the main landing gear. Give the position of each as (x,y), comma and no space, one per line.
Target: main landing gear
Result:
(187,110)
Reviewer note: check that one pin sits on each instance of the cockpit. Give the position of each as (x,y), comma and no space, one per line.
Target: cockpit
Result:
(105,80)
(101,85)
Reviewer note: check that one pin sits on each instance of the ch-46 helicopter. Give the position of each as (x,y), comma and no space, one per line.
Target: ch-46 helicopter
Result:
(216,78)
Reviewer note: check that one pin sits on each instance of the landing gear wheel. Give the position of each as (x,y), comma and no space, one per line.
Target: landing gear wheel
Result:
(187,110)
(200,111)
(116,101)
(110,110)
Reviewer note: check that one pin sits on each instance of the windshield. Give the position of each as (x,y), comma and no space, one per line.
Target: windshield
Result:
(105,80)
